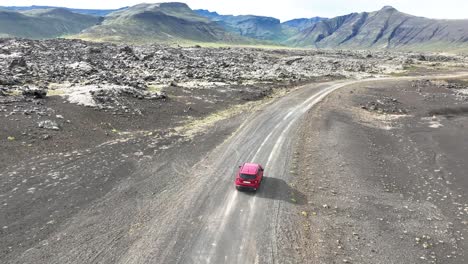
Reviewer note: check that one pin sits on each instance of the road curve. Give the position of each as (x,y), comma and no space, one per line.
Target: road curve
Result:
(228,226)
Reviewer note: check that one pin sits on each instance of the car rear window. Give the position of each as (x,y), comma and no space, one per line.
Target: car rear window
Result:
(247,176)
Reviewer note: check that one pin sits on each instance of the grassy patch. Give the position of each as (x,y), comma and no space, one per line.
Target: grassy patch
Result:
(155,88)
(407,69)
(55,92)
(410,67)
(184,43)
(197,126)
(14,92)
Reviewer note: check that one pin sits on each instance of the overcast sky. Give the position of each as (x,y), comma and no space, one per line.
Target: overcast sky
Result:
(285,9)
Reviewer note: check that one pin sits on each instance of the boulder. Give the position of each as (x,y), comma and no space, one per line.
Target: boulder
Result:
(18,63)
(35,93)
(48,124)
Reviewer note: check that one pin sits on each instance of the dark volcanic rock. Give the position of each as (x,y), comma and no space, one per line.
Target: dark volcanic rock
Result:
(76,63)
(127,50)
(19,62)
(385,105)
(35,93)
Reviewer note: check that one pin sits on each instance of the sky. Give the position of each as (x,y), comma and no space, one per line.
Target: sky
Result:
(285,9)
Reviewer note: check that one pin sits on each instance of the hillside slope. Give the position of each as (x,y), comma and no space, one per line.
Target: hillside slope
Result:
(257,27)
(302,23)
(94,12)
(44,23)
(386,28)
(163,22)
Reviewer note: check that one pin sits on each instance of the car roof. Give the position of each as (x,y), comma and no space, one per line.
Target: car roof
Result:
(249,168)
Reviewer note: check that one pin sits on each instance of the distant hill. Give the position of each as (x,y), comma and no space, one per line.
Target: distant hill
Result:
(94,12)
(258,27)
(386,28)
(44,23)
(303,23)
(177,23)
(163,22)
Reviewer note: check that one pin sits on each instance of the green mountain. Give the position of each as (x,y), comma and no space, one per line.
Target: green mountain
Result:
(302,23)
(44,23)
(177,23)
(386,28)
(94,12)
(163,22)
(257,27)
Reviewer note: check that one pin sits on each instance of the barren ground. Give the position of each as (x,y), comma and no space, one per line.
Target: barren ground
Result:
(384,169)
(143,172)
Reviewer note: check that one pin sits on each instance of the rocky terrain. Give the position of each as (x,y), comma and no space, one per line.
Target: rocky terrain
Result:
(122,81)
(97,123)
(56,62)
(403,198)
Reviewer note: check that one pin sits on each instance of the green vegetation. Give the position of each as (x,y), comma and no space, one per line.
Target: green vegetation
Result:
(40,24)
(256,27)
(154,88)
(177,24)
(14,92)
(55,92)
(163,23)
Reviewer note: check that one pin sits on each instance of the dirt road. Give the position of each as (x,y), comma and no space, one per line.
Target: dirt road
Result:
(180,206)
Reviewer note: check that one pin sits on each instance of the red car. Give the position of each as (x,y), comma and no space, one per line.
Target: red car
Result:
(249,176)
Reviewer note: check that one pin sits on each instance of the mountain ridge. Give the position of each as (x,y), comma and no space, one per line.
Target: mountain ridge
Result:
(94,12)
(161,22)
(259,27)
(385,28)
(176,22)
(44,23)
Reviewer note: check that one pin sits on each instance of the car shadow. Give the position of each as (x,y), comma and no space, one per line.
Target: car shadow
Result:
(278,189)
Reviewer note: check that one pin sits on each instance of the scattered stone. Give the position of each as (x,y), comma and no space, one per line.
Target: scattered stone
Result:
(48,124)
(385,105)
